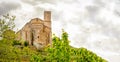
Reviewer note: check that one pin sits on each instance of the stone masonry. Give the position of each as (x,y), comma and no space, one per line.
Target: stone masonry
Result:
(37,32)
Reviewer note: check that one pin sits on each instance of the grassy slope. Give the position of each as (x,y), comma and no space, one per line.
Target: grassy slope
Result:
(9,53)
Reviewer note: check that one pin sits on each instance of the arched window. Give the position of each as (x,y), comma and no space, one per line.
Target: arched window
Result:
(38,36)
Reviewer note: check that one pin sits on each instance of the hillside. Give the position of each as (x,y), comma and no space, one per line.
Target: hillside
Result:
(60,51)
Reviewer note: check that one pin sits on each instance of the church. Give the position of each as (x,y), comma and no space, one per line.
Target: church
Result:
(37,31)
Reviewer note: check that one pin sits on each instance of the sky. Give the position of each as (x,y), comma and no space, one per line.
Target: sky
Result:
(93,24)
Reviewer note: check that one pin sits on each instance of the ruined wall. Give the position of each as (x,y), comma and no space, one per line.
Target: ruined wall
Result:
(37,30)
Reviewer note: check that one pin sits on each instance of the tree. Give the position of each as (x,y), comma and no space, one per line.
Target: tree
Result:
(9,34)
(61,51)
(6,23)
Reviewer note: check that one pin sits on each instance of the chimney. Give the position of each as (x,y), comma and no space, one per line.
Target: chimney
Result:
(47,16)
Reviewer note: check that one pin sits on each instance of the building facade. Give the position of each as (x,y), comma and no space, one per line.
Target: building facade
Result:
(37,32)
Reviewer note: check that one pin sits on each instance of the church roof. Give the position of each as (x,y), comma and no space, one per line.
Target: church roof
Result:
(36,21)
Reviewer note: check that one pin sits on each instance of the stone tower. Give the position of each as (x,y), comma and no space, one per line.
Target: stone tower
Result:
(47,22)
(37,32)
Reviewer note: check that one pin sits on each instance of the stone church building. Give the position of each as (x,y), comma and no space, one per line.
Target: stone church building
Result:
(37,31)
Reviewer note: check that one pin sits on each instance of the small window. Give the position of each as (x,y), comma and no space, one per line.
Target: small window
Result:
(38,36)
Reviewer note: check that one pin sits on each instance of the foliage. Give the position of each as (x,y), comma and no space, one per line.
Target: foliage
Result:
(59,52)
(9,53)
(36,58)
(62,52)
(26,43)
(9,34)
(16,42)
(6,23)
(6,51)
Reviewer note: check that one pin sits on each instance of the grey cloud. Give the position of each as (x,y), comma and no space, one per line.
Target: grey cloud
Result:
(49,1)
(107,28)
(99,3)
(56,16)
(70,1)
(117,12)
(117,8)
(31,2)
(93,10)
(38,10)
(6,7)
(36,2)
(55,1)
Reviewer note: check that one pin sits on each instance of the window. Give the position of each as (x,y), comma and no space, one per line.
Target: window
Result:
(38,36)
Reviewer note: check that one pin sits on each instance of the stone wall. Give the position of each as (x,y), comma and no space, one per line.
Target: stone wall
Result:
(37,31)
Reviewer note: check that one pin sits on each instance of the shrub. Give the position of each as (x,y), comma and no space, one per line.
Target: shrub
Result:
(26,43)
(16,42)
(62,52)
(36,58)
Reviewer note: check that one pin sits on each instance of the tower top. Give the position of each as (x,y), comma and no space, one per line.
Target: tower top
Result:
(47,16)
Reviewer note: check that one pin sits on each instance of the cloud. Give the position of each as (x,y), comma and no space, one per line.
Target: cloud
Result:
(6,7)
(31,2)
(37,2)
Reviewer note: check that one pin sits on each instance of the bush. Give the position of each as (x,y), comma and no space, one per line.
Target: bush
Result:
(35,58)
(9,35)
(16,42)
(26,43)
(62,52)
(7,52)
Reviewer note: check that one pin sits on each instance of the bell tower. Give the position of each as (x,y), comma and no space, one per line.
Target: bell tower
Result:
(47,18)
(47,23)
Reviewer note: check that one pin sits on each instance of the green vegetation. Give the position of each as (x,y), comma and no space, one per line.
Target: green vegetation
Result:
(15,42)
(61,51)
(12,50)
(6,23)
(26,43)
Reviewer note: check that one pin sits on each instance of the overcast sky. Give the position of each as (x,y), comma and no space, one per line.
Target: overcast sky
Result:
(93,24)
